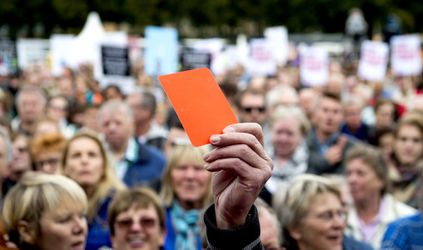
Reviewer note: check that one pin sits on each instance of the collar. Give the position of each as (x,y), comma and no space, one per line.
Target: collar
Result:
(131,151)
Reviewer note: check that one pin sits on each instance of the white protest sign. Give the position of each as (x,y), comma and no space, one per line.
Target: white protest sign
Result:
(277,38)
(32,51)
(261,62)
(214,46)
(60,50)
(373,61)
(406,60)
(314,66)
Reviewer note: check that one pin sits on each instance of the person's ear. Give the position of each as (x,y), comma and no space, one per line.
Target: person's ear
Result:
(295,233)
(26,232)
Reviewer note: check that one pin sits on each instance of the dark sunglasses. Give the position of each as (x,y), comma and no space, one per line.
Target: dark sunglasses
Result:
(250,109)
(144,222)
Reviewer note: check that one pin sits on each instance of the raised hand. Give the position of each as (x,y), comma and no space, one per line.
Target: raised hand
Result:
(241,168)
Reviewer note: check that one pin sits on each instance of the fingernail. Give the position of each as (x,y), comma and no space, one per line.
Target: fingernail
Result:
(207,166)
(214,139)
(206,157)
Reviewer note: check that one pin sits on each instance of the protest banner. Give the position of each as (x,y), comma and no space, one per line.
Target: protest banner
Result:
(115,61)
(314,66)
(60,52)
(405,56)
(161,50)
(192,59)
(8,57)
(261,62)
(32,51)
(373,61)
(277,38)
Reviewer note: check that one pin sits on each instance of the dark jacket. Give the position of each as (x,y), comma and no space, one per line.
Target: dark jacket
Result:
(147,169)
(246,236)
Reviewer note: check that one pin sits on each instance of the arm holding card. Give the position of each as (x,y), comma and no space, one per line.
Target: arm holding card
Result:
(241,168)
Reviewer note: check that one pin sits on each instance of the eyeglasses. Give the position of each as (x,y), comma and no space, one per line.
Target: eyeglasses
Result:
(250,109)
(145,222)
(330,215)
(50,162)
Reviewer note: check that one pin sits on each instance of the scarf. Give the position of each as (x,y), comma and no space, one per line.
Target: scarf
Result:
(186,228)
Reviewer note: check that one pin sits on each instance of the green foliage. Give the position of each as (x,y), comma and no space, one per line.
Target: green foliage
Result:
(207,17)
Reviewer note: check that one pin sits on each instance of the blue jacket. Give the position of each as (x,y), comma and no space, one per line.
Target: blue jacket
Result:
(350,243)
(98,228)
(405,233)
(147,168)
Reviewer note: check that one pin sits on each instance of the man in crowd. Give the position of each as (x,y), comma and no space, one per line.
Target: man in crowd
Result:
(326,144)
(251,106)
(137,163)
(30,103)
(144,105)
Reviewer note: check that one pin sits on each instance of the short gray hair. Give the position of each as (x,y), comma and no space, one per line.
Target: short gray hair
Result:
(115,106)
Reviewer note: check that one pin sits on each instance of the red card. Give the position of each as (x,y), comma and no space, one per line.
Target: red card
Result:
(199,103)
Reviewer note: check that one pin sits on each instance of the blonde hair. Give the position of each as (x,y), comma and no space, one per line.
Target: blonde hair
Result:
(180,155)
(35,194)
(109,182)
(293,205)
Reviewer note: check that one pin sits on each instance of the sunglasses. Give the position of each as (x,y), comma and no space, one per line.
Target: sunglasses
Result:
(145,222)
(250,109)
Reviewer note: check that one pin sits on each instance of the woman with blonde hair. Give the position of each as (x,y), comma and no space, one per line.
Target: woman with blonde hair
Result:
(186,191)
(46,212)
(85,160)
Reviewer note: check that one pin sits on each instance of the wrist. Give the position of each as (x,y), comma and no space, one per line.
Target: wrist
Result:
(230,221)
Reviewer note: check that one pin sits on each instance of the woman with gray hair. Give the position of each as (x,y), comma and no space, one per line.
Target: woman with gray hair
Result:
(311,213)
(46,212)
(289,127)
(313,216)
(374,208)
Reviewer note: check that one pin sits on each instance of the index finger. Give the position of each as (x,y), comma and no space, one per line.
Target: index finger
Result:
(249,128)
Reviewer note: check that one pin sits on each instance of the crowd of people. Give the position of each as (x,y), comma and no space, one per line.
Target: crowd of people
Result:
(337,166)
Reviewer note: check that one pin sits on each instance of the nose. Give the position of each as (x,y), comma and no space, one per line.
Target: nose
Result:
(339,222)
(190,173)
(351,178)
(80,225)
(136,226)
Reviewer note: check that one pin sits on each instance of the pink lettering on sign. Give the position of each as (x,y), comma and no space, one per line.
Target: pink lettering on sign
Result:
(404,52)
(260,53)
(313,63)
(372,57)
